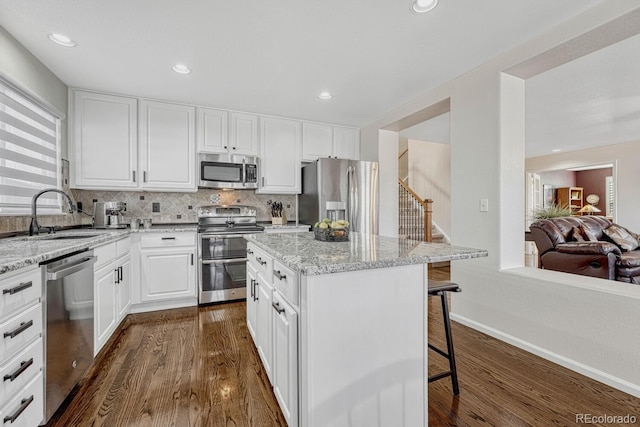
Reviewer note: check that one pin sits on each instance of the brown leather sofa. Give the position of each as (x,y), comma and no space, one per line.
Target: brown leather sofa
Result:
(584,245)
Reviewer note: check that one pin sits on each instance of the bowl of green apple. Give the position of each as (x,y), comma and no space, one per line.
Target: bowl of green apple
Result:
(331,231)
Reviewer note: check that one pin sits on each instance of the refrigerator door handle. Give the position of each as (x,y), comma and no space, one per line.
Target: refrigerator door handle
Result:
(352,199)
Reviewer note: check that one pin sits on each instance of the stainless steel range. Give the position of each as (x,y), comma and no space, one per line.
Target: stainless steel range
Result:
(222,251)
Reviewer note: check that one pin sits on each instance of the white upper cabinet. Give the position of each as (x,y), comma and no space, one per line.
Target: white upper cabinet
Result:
(317,141)
(213,132)
(280,156)
(243,134)
(167,146)
(104,141)
(346,143)
(226,132)
(322,140)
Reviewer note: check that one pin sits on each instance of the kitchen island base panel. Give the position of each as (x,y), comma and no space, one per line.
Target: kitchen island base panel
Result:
(363,348)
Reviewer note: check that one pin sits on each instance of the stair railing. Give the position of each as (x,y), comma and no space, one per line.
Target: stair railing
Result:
(415,213)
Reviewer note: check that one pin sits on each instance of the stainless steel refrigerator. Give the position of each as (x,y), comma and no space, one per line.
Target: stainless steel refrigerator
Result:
(340,189)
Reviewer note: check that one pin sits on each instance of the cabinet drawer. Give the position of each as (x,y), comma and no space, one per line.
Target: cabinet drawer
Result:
(262,262)
(123,246)
(18,331)
(27,408)
(19,290)
(105,254)
(285,281)
(161,240)
(20,370)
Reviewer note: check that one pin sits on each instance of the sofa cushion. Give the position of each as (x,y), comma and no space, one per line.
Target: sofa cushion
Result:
(621,237)
(588,234)
(629,260)
(576,234)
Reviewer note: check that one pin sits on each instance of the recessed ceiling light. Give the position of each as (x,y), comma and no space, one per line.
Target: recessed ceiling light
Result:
(556,150)
(422,6)
(62,40)
(325,95)
(181,69)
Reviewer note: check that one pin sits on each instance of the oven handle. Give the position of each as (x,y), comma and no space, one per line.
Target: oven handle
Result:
(222,261)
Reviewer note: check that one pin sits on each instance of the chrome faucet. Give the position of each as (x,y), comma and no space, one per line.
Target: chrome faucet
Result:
(34,228)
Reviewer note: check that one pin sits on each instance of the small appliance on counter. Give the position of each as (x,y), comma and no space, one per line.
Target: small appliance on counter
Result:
(109,214)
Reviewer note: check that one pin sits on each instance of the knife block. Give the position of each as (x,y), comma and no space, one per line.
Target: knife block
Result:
(279,220)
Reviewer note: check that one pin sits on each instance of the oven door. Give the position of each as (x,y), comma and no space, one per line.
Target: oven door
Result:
(222,246)
(222,280)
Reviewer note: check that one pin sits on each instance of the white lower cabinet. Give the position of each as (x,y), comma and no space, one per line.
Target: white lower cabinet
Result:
(264,322)
(252,302)
(21,349)
(167,266)
(112,289)
(285,358)
(273,318)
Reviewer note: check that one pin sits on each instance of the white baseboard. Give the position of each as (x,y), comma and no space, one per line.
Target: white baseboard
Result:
(588,371)
(163,305)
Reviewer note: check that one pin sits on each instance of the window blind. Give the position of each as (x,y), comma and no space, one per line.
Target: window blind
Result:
(611,196)
(29,154)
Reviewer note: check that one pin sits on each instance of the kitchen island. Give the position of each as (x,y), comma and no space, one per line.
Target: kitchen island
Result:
(340,327)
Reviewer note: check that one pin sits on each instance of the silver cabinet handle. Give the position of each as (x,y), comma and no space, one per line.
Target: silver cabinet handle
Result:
(16,289)
(276,306)
(168,238)
(249,251)
(23,367)
(260,261)
(117,273)
(134,176)
(144,176)
(279,275)
(120,274)
(20,329)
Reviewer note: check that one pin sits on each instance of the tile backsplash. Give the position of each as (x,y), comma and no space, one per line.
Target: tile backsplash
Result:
(171,207)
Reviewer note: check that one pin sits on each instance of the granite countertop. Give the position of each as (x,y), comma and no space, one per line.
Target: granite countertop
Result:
(25,251)
(268,225)
(19,252)
(167,228)
(302,253)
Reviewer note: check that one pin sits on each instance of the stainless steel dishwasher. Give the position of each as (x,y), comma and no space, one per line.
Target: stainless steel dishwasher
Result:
(68,337)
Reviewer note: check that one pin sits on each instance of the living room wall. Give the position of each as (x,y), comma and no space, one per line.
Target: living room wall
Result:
(561,317)
(625,158)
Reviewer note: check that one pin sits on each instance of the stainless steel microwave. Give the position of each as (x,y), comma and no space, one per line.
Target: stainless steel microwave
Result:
(228,171)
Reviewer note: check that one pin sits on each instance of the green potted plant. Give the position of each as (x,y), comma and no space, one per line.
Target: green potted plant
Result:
(553,211)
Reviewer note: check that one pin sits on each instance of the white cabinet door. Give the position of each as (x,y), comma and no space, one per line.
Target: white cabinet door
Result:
(213,134)
(252,304)
(243,134)
(123,286)
(317,141)
(167,146)
(285,358)
(280,156)
(105,317)
(105,141)
(264,324)
(167,273)
(346,143)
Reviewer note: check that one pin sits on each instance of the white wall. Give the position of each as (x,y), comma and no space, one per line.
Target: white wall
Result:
(430,178)
(580,322)
(626,160)
(26,72)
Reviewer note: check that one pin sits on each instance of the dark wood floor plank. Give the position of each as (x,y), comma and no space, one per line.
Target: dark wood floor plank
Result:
(198,367)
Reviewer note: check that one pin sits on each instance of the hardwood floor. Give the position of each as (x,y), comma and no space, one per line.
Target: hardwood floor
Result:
(198,367)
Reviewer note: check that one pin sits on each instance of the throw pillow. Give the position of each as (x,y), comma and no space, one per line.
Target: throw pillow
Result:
(621,237)
(588,234)
(576,235)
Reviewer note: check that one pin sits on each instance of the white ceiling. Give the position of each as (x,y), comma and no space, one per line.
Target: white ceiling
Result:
(275,57)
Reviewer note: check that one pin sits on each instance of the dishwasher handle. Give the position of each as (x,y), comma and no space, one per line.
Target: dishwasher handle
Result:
(68,270)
